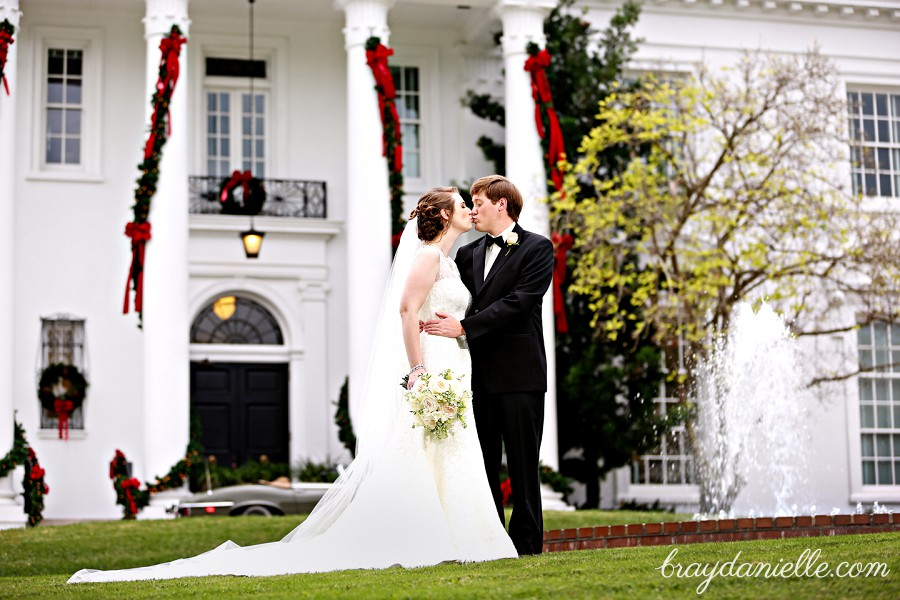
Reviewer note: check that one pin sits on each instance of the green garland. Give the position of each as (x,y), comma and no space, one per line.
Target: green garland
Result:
(128,489)
(376,56)
(139,229)
(18,454)
(35,489)
(33,483)
(556,480)
(128,492)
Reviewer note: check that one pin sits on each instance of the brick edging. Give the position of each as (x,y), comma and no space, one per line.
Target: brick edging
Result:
(716,530)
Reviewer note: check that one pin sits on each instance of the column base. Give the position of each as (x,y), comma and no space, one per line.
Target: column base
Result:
(551,500)
(12,514)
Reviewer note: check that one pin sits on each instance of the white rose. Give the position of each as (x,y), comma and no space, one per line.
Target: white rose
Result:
(512,238)
(439,386)
(419,385)
(449,411)
(430,422)
(429,404)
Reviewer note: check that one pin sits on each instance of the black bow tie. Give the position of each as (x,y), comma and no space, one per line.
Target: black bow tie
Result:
(495,240)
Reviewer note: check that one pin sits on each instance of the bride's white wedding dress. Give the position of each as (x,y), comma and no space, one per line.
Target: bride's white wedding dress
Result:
(408,499)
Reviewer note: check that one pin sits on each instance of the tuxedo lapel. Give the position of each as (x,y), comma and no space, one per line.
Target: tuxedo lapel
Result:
(504,255)
(478,265)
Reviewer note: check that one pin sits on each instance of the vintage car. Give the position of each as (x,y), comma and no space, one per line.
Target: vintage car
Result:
(265,499)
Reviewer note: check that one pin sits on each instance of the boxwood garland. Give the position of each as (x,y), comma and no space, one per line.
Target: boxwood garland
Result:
(33,482)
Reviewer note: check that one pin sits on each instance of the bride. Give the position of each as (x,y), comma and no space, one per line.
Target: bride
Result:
(408,499)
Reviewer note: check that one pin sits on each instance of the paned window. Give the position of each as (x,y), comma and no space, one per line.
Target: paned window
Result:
(235,320)
(406,81)
(879,403)
(62,342)
(229,148)
(874,120)
(63,106)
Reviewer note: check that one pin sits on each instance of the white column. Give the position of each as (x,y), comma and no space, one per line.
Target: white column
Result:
(523,22)
(166,320)
(368,196)
(312,411)
(10,512)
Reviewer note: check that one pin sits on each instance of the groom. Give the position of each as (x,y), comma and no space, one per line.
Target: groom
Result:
(507,272)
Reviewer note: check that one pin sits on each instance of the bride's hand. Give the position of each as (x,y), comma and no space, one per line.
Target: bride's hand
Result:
(413,377)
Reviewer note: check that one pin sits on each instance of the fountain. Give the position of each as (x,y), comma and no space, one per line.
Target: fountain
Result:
(750,427)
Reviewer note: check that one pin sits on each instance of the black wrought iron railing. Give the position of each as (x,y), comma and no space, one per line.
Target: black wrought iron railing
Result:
(293,198)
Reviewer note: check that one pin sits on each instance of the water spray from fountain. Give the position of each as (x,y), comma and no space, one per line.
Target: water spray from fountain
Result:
(750,427)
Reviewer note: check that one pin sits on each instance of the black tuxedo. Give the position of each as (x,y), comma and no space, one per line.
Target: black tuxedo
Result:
(509,370)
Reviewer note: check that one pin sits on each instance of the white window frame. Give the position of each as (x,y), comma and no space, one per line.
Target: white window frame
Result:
(893,147)
(90,42)
(426,61)
(860,492)
(273,50)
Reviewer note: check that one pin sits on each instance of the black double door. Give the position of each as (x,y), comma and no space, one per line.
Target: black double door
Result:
(243,409)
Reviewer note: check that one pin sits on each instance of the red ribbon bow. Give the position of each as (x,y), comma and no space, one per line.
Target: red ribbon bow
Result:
(6,40)
(63,408)
(237,178)
(540,92)
(140,235)
(561,244)
(127,486)
(377,60)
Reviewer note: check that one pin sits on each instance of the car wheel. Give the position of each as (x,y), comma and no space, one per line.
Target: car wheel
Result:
(260,511)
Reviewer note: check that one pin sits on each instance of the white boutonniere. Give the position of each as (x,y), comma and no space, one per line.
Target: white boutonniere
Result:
(511,240)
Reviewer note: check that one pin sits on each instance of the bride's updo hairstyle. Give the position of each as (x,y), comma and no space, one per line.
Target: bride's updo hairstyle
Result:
(431,223)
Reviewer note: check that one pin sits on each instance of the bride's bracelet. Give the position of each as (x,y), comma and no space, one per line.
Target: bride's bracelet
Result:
(411,371)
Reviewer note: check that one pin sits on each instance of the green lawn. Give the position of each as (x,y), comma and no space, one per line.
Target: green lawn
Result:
(36,563)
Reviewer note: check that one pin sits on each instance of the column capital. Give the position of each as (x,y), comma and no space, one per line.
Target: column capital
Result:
(523,22)
(365,18)
(162,14)
(9,10)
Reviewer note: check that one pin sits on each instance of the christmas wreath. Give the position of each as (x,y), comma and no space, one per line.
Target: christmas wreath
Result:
(242,194)
(61,390)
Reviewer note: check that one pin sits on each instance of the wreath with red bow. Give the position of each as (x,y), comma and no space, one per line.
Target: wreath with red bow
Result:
(242,194)
(61,390)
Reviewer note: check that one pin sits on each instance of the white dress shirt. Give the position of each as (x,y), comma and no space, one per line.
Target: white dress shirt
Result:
(493,251)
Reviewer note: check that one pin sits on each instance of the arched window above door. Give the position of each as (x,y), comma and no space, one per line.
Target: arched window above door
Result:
(235,320)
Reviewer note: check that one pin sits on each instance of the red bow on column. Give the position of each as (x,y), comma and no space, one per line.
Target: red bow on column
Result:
(536,65)
(237,178)
(140,235)
(377,60)
(6,40)
(63,409)
(170,47)
(561,245)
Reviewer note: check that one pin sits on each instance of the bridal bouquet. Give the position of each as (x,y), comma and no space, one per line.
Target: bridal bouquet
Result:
(438,402)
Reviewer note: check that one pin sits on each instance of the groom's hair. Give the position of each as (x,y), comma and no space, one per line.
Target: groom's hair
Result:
(496,187)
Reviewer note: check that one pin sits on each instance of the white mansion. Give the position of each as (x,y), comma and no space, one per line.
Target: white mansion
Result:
(264,374)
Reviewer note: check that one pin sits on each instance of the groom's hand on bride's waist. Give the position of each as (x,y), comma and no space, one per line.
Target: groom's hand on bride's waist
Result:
(445,326)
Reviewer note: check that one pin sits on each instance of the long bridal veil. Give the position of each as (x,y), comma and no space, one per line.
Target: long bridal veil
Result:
(382,397)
